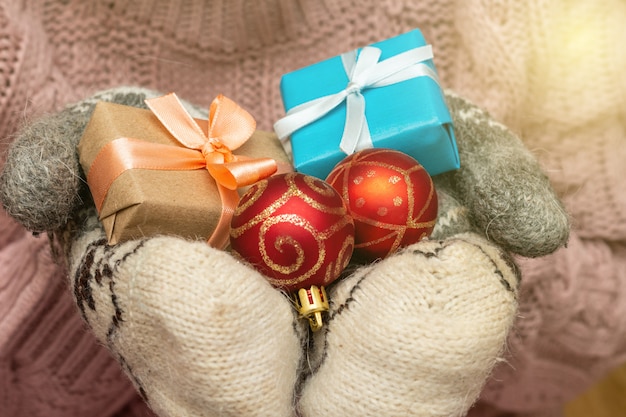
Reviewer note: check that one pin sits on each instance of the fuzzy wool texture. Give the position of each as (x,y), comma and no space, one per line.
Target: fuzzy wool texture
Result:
(551,71)
(46,184)
(198,333)
(41,367)
(414,334)
(201,334)
(500,183)
(44,157)
(42,183)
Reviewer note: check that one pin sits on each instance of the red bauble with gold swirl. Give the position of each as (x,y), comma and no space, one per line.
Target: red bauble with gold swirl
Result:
(391,198)
(294,229)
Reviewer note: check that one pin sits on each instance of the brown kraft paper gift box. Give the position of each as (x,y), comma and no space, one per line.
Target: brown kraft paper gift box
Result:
(145,202)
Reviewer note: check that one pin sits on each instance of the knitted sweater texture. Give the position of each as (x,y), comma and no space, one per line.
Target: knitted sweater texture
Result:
(550,70)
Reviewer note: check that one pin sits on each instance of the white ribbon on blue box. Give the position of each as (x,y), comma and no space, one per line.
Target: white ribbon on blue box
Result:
(386,95)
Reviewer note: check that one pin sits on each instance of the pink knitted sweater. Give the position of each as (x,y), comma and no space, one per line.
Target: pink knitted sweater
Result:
(551,70)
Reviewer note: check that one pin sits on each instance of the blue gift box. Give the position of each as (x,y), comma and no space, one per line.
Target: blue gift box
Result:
(410,116)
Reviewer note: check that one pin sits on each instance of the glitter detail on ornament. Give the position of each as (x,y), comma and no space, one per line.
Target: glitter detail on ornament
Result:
(318,186)
(393,203)
(295,230)
(283,241)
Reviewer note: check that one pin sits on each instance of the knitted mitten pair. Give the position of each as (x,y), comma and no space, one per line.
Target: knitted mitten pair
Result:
(202,334)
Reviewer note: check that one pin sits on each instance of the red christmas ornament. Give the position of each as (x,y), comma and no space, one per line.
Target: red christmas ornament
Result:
(295,229)
(391,198)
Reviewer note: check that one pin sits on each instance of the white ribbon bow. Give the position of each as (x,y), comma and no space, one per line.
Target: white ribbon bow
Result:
(364,72)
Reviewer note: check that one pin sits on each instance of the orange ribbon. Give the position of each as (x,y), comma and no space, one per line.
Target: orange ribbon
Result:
(229,126)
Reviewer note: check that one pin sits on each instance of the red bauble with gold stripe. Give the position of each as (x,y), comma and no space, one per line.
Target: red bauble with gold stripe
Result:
(295,229)
(391,198)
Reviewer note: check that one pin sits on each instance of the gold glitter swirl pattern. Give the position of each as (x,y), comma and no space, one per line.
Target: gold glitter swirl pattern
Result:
(295,229)
(319,187)
(252,195)
(333,269)
(343,258)
(298,221)
(297,192)
(292,191)
(335,227)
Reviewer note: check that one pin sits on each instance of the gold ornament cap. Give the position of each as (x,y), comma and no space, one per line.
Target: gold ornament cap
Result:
(311,303)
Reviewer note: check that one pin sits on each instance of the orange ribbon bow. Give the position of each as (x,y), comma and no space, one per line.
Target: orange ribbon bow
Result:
(229,126)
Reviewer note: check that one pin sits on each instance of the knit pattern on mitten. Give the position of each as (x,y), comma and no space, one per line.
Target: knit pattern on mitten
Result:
(416,334)
(198,333)
(203,334)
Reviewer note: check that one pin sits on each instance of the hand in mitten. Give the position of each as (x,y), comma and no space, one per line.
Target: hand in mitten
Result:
(201,334)
(418,333)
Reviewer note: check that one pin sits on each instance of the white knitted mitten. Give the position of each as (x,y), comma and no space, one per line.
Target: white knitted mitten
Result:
(199,333)
(416,334)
